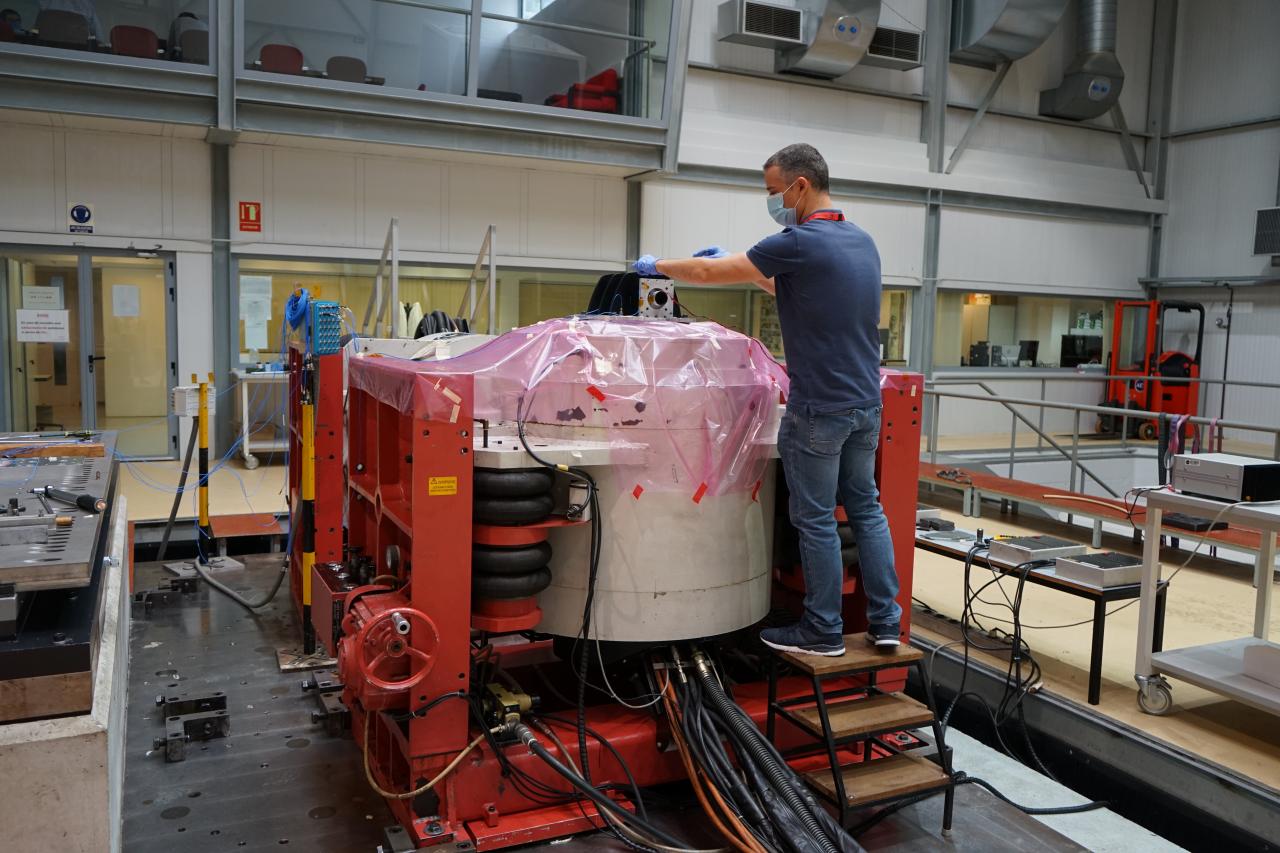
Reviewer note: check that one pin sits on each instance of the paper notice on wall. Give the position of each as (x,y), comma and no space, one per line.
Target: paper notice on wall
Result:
(255,336)
(45,327)
(255,309)
(42,297)
(125,300)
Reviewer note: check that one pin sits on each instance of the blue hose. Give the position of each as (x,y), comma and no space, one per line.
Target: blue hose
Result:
(295,310)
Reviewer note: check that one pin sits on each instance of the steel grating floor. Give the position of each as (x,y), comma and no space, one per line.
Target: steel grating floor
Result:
(279,782)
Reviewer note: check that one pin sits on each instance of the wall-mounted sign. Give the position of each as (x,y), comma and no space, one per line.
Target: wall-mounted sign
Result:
(250,216)
(80,218)
(41,297)
(44,327)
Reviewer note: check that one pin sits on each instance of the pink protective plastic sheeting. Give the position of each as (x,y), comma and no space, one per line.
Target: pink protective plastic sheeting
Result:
(690,406)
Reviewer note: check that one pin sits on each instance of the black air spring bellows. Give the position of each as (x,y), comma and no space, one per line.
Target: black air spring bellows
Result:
(511,499)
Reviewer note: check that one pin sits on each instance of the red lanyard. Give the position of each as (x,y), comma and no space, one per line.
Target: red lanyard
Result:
(833,215)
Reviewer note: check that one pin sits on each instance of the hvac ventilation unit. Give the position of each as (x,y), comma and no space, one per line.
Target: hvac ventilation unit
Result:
(900,50)
(761,24)
(1266,232)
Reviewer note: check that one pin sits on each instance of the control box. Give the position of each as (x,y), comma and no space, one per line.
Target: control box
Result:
(1105,570)
(1226,476)
(1017,550)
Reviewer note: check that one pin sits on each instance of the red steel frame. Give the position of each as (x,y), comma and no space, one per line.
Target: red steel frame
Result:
(328,466)
(410,487)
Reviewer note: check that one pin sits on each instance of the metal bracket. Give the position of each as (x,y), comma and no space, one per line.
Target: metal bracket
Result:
(331,710)
(191,718)
(166,593)
(1126,145)
(983,106)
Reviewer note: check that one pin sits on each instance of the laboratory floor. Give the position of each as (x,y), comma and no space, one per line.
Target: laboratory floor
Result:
(1208,601)
(279,781)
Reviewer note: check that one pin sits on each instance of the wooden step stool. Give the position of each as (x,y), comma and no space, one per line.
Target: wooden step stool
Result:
(863,714)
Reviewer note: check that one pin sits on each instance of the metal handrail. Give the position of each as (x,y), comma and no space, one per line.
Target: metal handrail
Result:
(1058,375)
(1141,414)
(1073,457)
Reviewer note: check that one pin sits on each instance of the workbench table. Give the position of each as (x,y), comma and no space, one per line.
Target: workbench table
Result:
(1047,576)
(277,382)
(1215,666)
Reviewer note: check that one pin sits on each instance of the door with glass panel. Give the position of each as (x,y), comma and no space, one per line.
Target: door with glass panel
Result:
(44,356)
(87,345)
(131,368)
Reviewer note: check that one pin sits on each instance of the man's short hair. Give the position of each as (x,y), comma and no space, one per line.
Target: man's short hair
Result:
(802,160)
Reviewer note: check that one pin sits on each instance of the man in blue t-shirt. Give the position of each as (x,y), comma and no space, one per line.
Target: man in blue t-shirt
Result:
(825,273)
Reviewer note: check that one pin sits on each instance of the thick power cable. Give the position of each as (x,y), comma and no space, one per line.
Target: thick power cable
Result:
(748,738)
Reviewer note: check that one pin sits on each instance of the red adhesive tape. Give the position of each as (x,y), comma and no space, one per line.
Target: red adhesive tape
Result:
(697,496)
(637,491)
(595,392)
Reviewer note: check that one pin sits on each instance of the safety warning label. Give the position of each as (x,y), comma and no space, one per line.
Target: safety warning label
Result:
(442,486)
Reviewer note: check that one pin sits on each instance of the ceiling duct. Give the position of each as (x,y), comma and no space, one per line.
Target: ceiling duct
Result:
(1092,82)
(988,33)
(837,34)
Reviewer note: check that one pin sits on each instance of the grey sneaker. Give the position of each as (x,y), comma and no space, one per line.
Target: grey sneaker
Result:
(794,638)
(885,635)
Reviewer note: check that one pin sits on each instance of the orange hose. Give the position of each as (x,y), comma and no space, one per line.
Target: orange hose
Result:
(745,843)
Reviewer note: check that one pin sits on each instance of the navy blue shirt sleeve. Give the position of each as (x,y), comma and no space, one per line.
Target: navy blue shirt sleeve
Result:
(776,254)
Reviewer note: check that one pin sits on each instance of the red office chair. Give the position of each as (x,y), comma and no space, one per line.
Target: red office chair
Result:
(281,59)
(62,29)
(134,41)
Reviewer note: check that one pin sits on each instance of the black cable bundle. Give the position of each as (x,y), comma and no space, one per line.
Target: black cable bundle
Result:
(1017,687)
(769,798)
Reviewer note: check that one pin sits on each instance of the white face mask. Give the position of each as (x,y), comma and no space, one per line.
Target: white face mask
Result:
(781,214)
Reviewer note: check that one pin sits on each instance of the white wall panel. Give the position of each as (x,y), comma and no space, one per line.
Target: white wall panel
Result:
(680,218)
(736,122)
(1216,185)
(313,197)
(408,190)
(28,175)
(336,200)
(141,185)
(193,272)
(1009,251)
(479,196)
(191,216)
(1228,62)
(121,176)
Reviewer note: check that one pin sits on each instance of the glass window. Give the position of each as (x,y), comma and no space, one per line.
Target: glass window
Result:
(265,287)
(592,55)
(374,42)
(1013,330)
(729,307)
(176,30)
(895,325)
(602,56)
(1134,320)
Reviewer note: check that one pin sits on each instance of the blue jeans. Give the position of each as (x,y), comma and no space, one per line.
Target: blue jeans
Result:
(825,456)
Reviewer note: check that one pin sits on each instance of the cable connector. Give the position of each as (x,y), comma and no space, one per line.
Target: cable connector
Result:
(524,734)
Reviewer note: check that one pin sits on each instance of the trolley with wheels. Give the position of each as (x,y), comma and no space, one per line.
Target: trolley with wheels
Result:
(1243,668)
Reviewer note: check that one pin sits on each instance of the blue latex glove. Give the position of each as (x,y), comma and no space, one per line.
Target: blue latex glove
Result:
(647,266)
(711,252)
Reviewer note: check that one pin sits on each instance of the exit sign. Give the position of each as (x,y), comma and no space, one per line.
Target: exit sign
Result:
(250,216)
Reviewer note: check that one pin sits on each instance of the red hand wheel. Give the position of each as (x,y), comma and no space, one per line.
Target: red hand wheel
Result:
(392,636)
